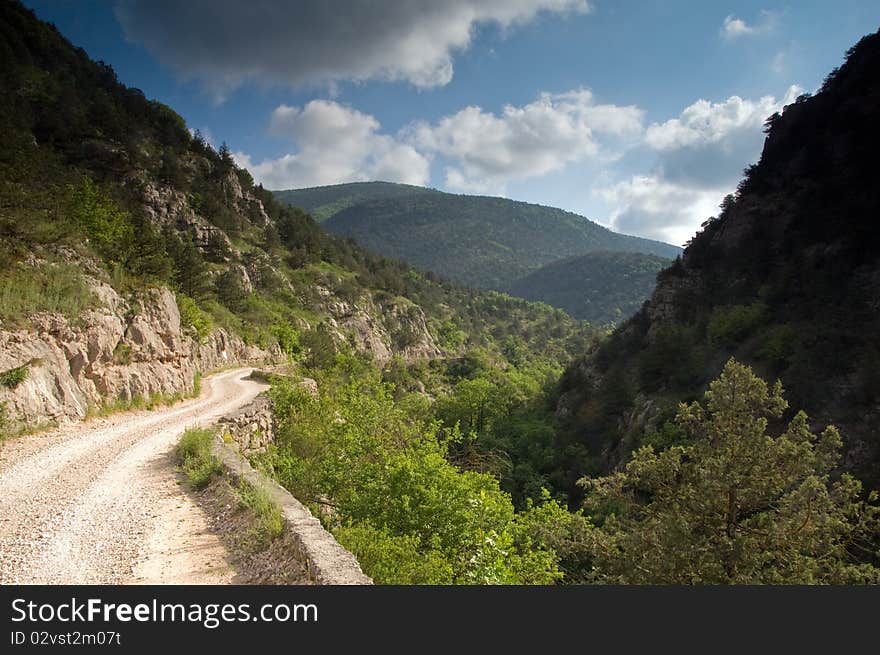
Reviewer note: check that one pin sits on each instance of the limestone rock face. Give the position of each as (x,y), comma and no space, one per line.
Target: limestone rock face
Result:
(117,350)
(393,327)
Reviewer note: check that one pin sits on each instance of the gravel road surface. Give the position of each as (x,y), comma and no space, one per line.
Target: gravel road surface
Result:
(100,502)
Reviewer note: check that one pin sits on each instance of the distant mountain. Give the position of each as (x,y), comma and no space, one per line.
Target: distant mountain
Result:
(786,279)
(322,202)
(481,241)
(601,287)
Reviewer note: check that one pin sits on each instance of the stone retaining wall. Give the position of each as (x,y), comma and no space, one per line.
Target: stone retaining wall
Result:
(252,427)
(325,560)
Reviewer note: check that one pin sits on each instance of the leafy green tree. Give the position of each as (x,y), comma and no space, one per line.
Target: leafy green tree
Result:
(288,339)
(103,221)
(736,506)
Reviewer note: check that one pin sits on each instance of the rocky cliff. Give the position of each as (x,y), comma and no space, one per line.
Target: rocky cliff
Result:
(118,349)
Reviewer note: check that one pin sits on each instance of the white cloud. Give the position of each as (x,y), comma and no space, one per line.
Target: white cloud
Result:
(225,43)
(700,158)
(779,63)
(485,151)
(334,144)
(652,207)
(734,28)
(709,143)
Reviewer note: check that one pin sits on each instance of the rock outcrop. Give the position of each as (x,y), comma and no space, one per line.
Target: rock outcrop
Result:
(116,350)
(386,329)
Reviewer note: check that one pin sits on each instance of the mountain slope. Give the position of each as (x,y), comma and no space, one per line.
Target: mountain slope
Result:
(786,278)
(323,202)
(108,203)
(480,241)
(600,287)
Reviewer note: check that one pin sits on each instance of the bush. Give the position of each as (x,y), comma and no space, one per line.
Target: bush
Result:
(14,376)
(729,324)
(106,225)
(393,559)
(194,453)
(4,422)
(398,502)
(779,345)
(192,316)
(288,339)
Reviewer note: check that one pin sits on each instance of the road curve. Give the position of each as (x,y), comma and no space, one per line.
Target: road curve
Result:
(99,502)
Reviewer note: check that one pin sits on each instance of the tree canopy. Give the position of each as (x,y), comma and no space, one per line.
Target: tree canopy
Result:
(737,505)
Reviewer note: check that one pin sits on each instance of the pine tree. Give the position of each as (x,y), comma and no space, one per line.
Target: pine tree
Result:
(737,506)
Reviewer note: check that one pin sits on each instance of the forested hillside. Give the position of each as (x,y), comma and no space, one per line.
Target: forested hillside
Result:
(438,444)
(107,197)
(483,242)
(601,287)
(785,278)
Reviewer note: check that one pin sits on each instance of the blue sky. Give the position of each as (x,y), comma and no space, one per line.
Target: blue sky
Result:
(640,115)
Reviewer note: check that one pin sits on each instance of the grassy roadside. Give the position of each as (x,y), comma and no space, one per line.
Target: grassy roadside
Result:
(199,464)
(242,515)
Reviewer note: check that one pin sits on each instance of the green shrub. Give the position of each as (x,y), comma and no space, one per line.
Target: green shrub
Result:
(779,345)
(14,376)
(194,453)
(730,324)
(384,469)
(394,559)
(122,353)
(105,224)
(192,316)
(288,339)
(4,422)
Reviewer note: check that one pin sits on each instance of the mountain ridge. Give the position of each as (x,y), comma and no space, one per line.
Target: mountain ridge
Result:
(484,242)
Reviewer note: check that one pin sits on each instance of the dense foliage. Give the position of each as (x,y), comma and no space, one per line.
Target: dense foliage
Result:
(785,278)
(479,241)
(600,287)
(379,472)
(736,505)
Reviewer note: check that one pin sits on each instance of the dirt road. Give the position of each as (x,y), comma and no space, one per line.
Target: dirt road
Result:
(100,502)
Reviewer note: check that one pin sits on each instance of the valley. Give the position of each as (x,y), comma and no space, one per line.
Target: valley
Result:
(460,389)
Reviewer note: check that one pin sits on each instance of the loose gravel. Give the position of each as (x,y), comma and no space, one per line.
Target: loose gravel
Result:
(100,502)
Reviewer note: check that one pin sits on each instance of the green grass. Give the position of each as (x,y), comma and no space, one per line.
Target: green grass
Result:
(195,457)
(269,521)
(56,288)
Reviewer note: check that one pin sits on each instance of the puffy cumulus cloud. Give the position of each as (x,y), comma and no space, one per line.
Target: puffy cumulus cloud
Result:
(334,144)
(734,28)
(700,158)
(485,151)
(651,207)
(710,143)
(225,43)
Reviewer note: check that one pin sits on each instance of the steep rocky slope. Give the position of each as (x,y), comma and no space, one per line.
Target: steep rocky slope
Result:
(786,278)
(119,349)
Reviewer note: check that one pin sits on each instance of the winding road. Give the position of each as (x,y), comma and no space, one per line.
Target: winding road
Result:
(100,502)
